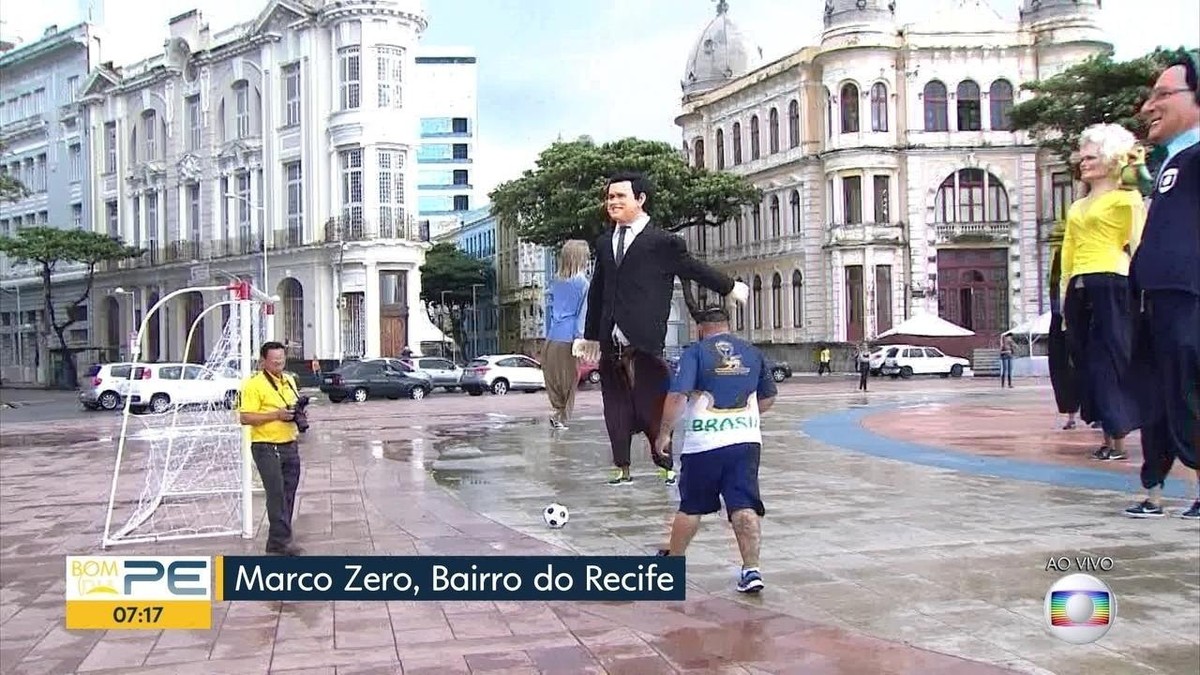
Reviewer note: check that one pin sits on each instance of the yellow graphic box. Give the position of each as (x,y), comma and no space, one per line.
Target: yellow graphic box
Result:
(139,592)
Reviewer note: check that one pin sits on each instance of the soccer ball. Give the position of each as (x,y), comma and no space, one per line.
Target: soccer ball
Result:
(556,515)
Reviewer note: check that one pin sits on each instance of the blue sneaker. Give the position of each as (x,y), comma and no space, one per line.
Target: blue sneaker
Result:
(751,581)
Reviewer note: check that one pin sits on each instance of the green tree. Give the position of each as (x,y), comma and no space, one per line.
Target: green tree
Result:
(447,279)
(46,248)
(563,198)
(11,188)
(1098,90)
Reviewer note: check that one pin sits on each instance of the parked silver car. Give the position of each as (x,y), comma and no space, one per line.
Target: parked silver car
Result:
(443,372)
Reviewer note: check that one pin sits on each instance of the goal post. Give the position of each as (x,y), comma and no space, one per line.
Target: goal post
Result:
(184,469)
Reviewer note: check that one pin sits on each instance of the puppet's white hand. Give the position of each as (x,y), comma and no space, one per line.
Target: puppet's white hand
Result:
(740,292)
(588,350)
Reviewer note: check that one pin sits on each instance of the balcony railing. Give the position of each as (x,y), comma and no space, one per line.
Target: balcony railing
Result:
(958,233)
(341,229)
(857,234)
(351,228)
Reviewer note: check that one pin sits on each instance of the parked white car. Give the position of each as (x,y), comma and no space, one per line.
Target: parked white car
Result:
(908,360)
(158,387)
(104,386)
(503,373)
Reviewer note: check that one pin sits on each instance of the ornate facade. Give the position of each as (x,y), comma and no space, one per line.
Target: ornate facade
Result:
(281,150)
(892,182)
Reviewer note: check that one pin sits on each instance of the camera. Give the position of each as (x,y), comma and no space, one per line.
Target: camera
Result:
(299,414)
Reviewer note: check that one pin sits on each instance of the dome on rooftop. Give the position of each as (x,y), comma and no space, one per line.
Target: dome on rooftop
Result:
(720,55)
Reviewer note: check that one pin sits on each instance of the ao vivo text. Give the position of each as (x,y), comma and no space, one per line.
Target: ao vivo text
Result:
(1080,563)
(518,578)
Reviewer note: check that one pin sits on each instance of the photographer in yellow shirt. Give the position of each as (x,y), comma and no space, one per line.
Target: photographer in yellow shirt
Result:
(274,410)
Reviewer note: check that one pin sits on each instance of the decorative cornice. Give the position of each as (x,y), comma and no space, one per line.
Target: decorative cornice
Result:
(334,13)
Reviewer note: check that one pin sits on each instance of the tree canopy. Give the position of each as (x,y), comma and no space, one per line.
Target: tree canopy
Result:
(449,274)
(11,188)
(563,197)
(46,247)
(1098,90)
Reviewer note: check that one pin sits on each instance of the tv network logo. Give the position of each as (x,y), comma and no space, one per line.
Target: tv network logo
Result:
(1080,609)
(139,578)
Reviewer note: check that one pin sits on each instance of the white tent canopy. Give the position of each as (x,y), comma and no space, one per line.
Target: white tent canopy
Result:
(1038,326)
(927,325)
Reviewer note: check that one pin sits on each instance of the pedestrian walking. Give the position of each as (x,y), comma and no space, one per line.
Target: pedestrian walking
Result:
(564,325)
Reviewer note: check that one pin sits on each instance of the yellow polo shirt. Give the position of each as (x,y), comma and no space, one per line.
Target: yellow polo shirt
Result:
(1097,232)
(258,396)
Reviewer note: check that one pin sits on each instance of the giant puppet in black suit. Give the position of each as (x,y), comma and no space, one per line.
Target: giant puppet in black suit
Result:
(629,303)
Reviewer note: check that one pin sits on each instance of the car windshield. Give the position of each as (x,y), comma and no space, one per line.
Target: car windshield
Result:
(477,363)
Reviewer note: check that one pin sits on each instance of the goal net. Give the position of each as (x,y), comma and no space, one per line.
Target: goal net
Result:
(183,467)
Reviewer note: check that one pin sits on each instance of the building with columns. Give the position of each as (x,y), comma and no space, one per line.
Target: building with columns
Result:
(892,182)
(44,141)
(282,151)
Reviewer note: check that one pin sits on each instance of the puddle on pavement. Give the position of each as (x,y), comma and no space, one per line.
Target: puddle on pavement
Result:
(56,439)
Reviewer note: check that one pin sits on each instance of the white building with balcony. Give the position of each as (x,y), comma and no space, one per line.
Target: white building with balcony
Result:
(44,145)
(892,182)
(280,150)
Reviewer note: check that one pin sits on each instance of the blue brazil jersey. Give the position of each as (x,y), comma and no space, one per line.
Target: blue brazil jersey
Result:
(727,376)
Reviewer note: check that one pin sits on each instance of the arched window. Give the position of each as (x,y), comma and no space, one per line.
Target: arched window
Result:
(739,234)
(797,299)
(828,114)
(849,105)
(698,152)
(879,113)
(969,117)
(755,148)
(739,312)
(971,196)
(777,301)
(776,229)
(795,212)
(756,222)
(794,124)
(758,303)
(773,130)
(936,116)
(1001,99)
(720,149)
(737,143)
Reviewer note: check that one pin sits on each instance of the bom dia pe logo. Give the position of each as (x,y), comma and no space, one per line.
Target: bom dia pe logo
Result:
(1080,609)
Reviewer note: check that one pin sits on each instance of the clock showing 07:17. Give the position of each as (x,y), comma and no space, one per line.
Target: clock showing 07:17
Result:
(138,593)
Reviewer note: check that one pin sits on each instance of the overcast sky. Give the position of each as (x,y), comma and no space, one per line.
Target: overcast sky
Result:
(608,68)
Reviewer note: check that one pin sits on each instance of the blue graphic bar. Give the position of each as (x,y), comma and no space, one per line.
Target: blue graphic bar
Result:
(368,578)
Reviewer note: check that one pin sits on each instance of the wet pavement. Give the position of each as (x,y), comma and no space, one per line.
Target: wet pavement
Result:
(876,559)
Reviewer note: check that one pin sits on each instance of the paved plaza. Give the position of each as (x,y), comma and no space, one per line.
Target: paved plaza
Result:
(908,531)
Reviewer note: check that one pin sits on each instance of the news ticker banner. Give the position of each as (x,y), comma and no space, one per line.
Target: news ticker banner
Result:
(178,592)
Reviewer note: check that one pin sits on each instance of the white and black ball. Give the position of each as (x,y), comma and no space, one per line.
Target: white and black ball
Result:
(556,515)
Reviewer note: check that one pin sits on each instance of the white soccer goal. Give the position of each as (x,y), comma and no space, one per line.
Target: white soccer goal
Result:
(183,467)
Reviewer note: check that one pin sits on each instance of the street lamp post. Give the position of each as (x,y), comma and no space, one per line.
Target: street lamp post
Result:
(132,320)
(262,226)
(475,322)
(20,328)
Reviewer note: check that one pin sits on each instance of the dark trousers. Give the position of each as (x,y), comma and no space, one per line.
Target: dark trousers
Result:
(1006,369)
(279,467)
(864,373)
(1167,355)
(633,388)
(1099,331)
(1062,372)
(823,368)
